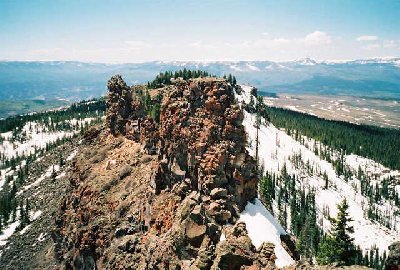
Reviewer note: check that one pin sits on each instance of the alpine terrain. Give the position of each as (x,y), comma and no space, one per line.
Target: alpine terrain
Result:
(193,171)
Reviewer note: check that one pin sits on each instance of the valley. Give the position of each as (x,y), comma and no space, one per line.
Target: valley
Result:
(200,135)
(27,86)
(358,110)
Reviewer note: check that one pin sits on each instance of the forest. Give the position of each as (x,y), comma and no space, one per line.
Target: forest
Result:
(296,211)
(295,207)
(379,144)
(85,108)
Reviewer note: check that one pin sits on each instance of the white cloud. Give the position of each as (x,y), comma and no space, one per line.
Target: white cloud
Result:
(317,38)
(202,45)
(271,43)
(367,38)
(315,44)
(390,44)
(167,45)
(137,44)
(371,47)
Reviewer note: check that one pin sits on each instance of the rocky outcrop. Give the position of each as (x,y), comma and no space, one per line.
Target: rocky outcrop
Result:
(123,110)
(202,138)
(237,251)
(165,189)
(393,259)
(118,105)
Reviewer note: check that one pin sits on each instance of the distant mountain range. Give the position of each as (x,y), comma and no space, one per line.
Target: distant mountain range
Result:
(59,80)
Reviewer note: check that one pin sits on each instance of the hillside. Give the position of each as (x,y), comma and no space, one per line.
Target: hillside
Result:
(36,152)
(299,166)
(175,185)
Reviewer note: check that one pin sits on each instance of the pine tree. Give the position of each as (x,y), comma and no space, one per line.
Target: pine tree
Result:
(53,174)
(155,112)
(326,180)
(61,161)
(234,80)
(230,78)
(258,123)
(338,246)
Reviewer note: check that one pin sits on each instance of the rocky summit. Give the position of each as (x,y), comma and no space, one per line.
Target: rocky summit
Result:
(161,185)
(157,192)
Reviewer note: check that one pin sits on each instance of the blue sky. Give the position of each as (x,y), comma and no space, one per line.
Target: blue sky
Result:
(137,31)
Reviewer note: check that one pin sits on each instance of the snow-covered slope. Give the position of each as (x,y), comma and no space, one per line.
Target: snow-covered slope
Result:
(32,137)
(260,223)
(276,149)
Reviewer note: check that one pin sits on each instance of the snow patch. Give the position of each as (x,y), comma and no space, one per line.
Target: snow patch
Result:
(41,237)
(36,214)
(7,232)
(263,227)
(72,155)
(25,229)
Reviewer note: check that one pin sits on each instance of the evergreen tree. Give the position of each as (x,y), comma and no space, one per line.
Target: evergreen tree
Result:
(53,174)
(155,112)
(326,180)
(338,246)
(61,161)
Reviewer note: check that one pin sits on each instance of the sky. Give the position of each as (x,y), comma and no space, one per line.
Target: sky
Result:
(219,30)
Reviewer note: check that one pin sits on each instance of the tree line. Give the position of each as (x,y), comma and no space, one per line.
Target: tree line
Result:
(379,144)
(79,110)
(164,78)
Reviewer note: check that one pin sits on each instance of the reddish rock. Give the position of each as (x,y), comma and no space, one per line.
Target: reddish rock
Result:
(191,174)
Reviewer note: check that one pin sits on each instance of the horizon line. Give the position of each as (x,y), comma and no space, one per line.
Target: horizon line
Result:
(208,61)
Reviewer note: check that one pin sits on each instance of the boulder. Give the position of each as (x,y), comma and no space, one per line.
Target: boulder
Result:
(128,244)
(236,251)
(266,255)
(218,193)
(194,232)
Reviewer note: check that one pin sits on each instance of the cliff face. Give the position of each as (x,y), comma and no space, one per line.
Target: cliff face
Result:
(202,139)
(149,195)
